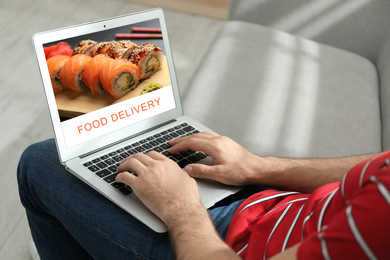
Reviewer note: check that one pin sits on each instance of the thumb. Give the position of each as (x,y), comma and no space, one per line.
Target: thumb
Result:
(125,177)
(199,170)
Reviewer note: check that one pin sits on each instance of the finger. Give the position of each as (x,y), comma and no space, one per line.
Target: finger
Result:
(156,156)
(202,171)
(143,158)
(131,164)
(198,135)
(196,144)
(199,170)
(126,178)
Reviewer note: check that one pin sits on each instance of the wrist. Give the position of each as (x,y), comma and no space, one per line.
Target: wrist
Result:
(190,214)
(262,170)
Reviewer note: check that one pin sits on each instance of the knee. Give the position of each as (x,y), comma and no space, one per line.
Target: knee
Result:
(35,157)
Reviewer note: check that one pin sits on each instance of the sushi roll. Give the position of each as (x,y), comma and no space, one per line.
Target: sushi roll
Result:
(84,47)
(55,65)
(71,73)
(122,49)
(148,58)
(102,48)
(118,77)
(91,72)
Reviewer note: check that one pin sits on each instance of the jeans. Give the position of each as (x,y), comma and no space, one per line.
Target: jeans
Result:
(70,220)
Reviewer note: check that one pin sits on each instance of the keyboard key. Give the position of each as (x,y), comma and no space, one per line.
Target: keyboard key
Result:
(96,160)
(118,158)
(201,155)
(185,153)
(117,185)
(110,178)
(93,168)
(174,135)
(146,146)
(103,173)
(160,140)
(183,163)
(165,146)
(188,129)
(112,154)
(167,137)
(125,190)
(180,132)
(102,165)
(87,164)
(154,143)
(110,161)
(104,157)
(166,153)
(193,159)
(112,168)
(158,149)
(140,149)
(125,154)
(178,156)
(131,151)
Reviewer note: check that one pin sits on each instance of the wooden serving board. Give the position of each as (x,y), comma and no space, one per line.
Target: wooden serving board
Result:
(71,104)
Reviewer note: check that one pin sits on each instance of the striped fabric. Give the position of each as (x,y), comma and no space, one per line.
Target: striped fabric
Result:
(344,220)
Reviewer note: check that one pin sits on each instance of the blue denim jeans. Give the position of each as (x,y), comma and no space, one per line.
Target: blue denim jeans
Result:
(70,220)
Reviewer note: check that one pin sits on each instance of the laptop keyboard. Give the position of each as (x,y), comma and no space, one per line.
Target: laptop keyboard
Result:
(105,166)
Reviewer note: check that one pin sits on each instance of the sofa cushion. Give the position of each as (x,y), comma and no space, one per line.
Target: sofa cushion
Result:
(281,95)
(384,74)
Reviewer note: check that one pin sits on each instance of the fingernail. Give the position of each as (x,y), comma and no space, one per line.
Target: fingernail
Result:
(188,170)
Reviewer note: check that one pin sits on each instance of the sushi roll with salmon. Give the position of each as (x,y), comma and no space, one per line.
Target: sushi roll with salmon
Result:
(84,47)
(91,73)
(71,73)
(55,65)
(118,77)
(122,49)
(148,58)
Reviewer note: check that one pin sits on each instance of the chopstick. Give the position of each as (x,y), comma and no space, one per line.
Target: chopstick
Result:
(137,36)
(146,30)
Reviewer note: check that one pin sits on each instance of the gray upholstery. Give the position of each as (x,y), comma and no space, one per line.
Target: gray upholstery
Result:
(282,95)
(357,26)
(384,73)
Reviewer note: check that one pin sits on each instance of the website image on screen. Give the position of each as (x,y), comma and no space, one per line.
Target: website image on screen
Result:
(108,80)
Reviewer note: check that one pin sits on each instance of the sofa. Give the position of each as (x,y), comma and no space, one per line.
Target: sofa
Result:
(277,91)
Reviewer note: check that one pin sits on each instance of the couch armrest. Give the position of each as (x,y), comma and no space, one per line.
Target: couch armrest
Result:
(384,79)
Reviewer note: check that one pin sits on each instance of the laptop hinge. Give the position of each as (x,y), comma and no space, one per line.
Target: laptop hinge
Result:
(127,138)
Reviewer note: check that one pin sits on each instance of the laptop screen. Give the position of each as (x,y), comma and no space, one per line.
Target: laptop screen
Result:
(109,79)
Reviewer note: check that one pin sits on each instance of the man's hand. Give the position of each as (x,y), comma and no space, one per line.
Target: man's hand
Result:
(233,164)
(160,184)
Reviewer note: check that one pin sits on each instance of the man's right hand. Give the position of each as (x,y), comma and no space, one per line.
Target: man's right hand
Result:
(233,164)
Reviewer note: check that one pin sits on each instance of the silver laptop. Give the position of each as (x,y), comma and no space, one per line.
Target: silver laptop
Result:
(95,131)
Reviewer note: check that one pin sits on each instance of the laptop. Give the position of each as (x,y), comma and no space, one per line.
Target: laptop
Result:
(95,131)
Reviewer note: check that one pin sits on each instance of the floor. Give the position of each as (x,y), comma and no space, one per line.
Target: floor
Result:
(23,112)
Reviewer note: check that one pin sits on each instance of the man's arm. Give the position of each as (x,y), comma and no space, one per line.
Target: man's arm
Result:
(234,165)
(173,196)
(306,175)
